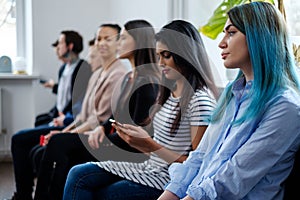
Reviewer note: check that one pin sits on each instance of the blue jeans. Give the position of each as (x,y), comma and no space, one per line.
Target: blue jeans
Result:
(88,181)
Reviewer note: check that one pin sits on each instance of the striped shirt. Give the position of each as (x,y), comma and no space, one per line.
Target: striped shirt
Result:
(154,171)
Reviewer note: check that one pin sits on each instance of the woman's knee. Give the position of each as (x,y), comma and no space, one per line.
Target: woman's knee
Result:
(74,173)
(79,173)
(76,170)
(57,139)
(80,170)
(59,144)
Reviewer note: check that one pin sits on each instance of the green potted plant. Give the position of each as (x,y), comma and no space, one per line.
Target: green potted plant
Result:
(216,22)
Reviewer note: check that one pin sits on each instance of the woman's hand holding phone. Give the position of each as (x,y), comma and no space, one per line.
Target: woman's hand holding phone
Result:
(116,123)
(135,136)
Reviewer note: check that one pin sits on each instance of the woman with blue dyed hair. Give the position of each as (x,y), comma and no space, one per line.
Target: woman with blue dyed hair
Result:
(248,150)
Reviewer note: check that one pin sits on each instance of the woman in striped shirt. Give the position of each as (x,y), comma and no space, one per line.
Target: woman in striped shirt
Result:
(187,98)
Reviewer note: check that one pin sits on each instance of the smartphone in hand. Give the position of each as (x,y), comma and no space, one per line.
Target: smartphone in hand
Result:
(117,123)
(42,81)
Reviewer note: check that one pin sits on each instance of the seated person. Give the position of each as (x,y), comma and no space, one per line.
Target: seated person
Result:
(248,149)
(63,107)
(71,88)
(185,104)
(65,150)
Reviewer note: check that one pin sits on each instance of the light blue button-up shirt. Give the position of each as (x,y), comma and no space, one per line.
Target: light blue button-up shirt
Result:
(246,161)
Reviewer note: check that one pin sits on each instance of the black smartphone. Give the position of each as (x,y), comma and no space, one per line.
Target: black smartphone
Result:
(42,81)
(117,123)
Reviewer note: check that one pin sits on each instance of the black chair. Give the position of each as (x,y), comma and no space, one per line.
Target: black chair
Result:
(292,188)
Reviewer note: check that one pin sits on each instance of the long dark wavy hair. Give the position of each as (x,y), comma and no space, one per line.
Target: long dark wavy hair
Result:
(145,59)
(143,34)
(187,49)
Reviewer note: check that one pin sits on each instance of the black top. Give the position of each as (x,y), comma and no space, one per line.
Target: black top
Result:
(133,107)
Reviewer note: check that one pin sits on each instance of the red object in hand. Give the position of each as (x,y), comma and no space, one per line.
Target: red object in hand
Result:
(42,140)
(112,130)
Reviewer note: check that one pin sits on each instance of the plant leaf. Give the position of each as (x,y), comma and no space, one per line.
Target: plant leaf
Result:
(217,21)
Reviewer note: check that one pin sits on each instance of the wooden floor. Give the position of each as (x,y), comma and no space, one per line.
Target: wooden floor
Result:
(7,183)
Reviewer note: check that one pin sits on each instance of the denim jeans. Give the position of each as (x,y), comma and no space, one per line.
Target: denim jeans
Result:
(88,181)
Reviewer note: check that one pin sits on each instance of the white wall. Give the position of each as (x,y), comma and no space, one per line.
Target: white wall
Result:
(198,12)
(155,11)
(17,105)
(50,17)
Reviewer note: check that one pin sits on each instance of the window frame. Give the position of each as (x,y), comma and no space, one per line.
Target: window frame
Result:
(24,32)
(20,28)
